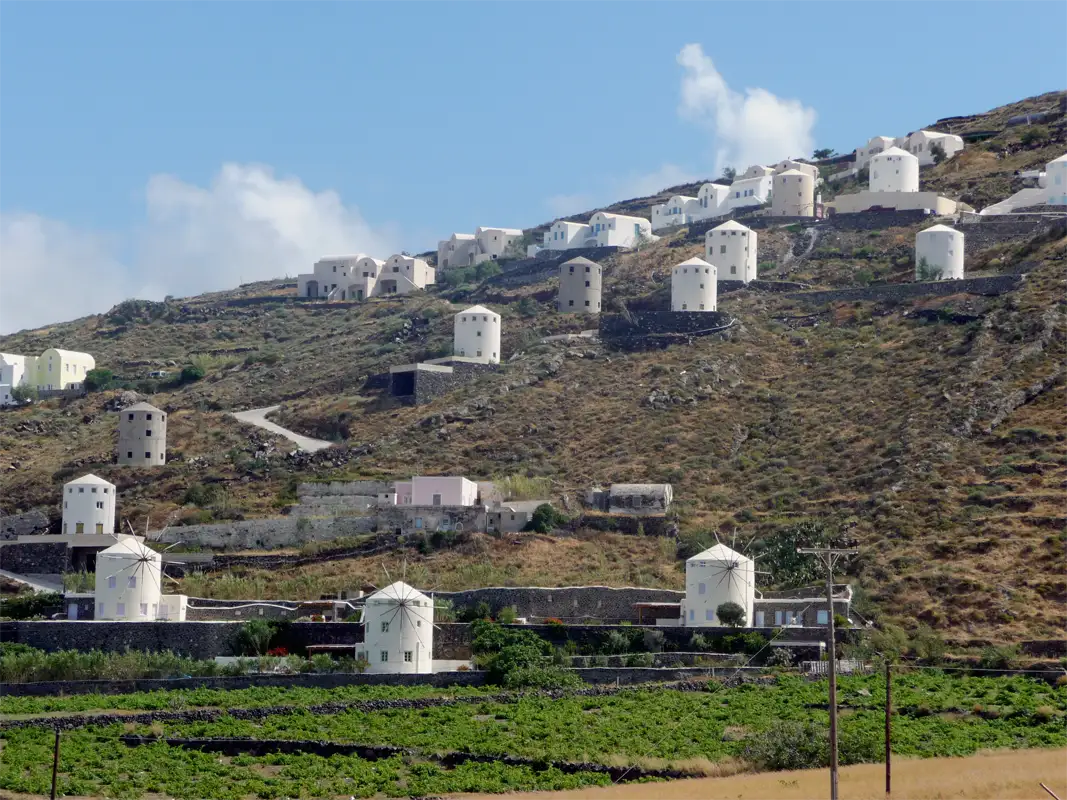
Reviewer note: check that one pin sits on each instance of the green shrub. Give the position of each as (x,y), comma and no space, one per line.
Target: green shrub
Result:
(27,606)
(1034,134)
(999,657)
(254,637)
(731,614)
(789,745)
(479,611)
(545,519)
(507,615)
(96,380)
(191,373)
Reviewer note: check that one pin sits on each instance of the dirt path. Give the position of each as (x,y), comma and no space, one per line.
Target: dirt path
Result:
(258,417)
(1001,775)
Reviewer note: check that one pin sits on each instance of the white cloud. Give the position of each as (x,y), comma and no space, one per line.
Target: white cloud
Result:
(248,225)
(754,127)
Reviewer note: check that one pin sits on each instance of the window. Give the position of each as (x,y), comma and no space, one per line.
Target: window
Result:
(570,302)
(105,491)
(702,588)
(129,454)
(692,615)
(722,249)
(99,609)
(437,499)
(385,626)
(777,617)
(407,656)
(684,307)
(384,655)
(144,609)
(587,303)
(759,619)
(701,286)
(120,610)
(81,490)
(148,416)
(822,618)
(418,522)
(99,503)
(147,455)
(148,432)
(733,270)
(132,582)
(587,282)
(477,333)
(111,582)
(701,306)
(709,615)
(572,270)
(100,527)
(94,490)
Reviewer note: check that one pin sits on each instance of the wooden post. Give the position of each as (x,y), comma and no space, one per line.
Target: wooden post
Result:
(832,647)
(888,730)
(55,764)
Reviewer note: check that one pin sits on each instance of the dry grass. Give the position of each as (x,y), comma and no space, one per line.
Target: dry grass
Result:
(1006,775)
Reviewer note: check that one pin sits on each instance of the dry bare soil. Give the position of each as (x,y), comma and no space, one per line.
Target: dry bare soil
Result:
(1012,775)
(935,426)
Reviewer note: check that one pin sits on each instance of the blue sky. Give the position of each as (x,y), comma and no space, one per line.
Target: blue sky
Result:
(118,118)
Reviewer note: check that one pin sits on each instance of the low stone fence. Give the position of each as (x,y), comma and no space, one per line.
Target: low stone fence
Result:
(980,235)
(992,285)
(546,265)
(267,534)
(631,524)
(878,220)
(660,328)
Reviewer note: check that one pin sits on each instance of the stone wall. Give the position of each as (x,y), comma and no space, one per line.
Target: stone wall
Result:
(570,603)
(265,534)
(427,519)
(993,285)
(419,386)
(43,558)
(659,328)
(1007,228)
(878,220)
(631,524)
(545,265)
(25,524)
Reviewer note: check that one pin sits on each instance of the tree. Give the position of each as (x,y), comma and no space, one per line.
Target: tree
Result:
(729,174)
(24,394)
(730,613)
(925,272)
(191,373)
(823,152)
(544,519)
(96,380)
(254,637)
(937,150)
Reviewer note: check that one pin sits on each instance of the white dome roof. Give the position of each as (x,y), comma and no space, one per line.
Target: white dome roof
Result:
(478,310)
(396,592)
(937,229)
(892,151)
(693,262)
(90,479)
(730,225)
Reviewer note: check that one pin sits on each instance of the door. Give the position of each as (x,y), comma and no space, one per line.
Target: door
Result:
(72,611)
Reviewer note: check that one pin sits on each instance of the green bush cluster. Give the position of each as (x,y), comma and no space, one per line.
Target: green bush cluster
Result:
(515,658)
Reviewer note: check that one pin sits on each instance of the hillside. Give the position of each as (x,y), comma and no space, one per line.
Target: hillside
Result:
(934,426)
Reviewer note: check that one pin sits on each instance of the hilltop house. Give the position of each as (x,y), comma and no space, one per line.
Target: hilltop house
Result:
(921,145)
(793,194)
(753,188)
(358,277)
(603,230)
(53,371)
(894,184)
(679,210)
(468,250)
(436,491)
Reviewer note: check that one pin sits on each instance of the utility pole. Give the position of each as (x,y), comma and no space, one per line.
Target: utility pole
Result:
(55,765)
(829,556)
(888,728)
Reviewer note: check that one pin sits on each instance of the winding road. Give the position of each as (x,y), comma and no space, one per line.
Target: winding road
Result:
(258,417)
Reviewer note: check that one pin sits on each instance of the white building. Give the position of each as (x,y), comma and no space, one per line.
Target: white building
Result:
(329,278)
(128,587)
(753,188)
(579,287)
(89,506)
(445,490)
(731,247)
(53,370)
(716,576)
(939,254)
(403,274)
(800,166)
(679,210)
(694,286)
(398,631)
(1056,181)
(619,230)
(712,200)
(894,170)
(566,235)
(794,194)
(921,143)
(477,335)
(875,145)
(468,250)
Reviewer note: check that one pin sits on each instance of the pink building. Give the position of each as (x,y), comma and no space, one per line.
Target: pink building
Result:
(436,491)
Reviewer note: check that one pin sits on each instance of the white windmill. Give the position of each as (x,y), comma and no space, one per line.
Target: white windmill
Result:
(129,581)
(398,626)
(715,576)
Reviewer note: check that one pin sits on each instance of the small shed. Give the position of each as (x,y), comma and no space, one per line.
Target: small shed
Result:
(640,498)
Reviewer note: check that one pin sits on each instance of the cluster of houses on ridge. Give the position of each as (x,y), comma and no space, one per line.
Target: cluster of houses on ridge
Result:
(58,371)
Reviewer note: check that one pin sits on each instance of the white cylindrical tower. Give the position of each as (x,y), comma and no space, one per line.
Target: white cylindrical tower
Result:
(793,194)
(398,631)
(694,286)
(477,335)
(894,170)
(731,247)
(89,505)
(128,585)
(142,436)
(716,576)
(939,254)
(579,287)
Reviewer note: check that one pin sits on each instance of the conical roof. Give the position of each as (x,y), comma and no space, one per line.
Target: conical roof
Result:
(937,229)
(585,262)
(693,262)
(721,553)
(90,479)
(892,151)
(395,592)
(478,310)
(791,172)
(143,406)
(129,547)
(731,225)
